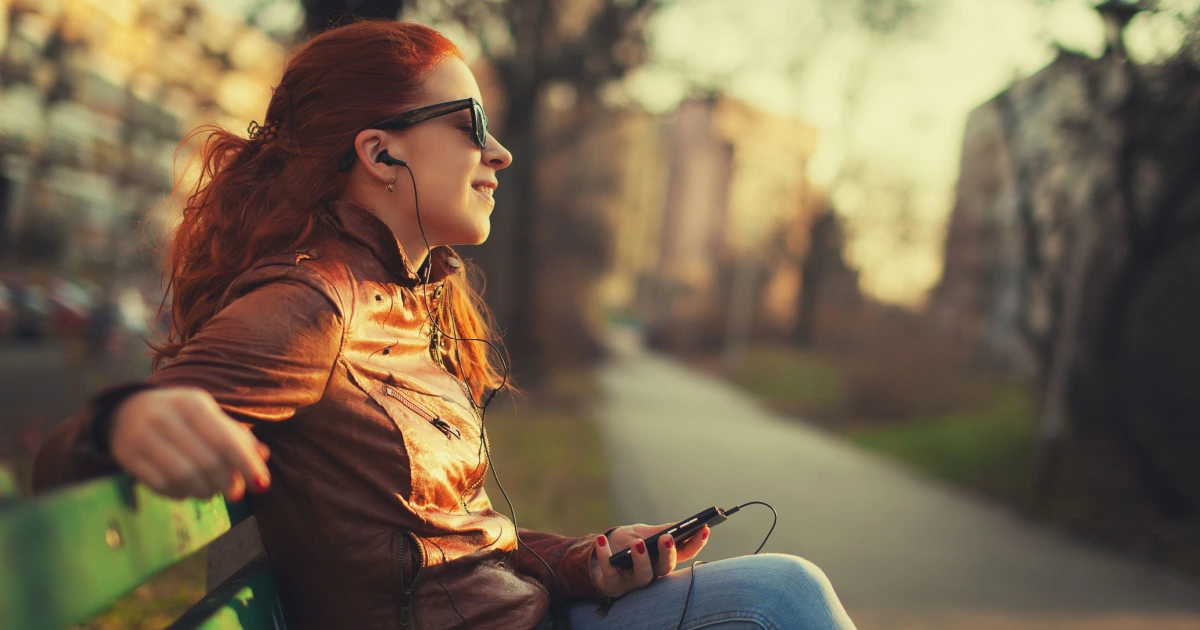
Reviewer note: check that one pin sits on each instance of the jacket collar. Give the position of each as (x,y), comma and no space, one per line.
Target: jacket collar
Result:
(370,231)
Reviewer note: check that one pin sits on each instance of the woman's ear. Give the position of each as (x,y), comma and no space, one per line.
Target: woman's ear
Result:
(367,145)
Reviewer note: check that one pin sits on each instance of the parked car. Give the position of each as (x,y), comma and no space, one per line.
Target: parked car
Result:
(71,306)
(33,308)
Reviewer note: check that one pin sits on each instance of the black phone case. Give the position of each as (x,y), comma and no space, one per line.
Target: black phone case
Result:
(681,531)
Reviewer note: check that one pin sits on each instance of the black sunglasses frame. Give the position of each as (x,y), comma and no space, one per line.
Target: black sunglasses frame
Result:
(479,123)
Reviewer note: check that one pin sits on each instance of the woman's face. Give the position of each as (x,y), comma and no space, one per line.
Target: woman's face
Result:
(455,178)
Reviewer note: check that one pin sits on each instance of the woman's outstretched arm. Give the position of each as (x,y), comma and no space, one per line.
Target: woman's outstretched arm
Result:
(183,431)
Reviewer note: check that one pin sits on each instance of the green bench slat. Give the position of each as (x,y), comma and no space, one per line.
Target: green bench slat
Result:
(246,601)
(67,556)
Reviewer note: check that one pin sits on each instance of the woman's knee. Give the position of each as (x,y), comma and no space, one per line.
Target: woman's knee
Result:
(789,575)
(797,591)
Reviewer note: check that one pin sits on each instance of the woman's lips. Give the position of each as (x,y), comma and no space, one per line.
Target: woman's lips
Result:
(485,190)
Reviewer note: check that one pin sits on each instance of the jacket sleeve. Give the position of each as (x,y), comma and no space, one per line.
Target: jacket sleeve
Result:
(269,352)
(570,558)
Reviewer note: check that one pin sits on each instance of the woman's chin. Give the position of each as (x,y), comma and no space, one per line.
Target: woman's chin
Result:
(478,234)
(471,230)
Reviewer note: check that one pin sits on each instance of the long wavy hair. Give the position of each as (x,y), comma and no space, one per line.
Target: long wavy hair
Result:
(255,198)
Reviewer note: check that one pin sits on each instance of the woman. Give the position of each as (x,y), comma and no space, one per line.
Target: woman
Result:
(322,323)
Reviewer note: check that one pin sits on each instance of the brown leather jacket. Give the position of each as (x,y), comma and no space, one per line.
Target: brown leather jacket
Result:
(376,516)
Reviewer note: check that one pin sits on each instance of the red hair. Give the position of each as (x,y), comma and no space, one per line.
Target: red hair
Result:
(257,198)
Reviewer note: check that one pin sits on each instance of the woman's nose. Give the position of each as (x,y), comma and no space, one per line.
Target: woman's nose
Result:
(496,155)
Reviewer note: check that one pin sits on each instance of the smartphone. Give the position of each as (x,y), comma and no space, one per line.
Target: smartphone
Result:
(681,531)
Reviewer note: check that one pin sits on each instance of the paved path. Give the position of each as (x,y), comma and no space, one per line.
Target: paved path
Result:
(902,551)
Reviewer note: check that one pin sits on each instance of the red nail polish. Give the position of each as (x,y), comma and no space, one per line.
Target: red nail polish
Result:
(704,535)
(602,540)
(670,542)
(641,547)
(261,484)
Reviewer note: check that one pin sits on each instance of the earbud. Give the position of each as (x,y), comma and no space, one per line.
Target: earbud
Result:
(389,160)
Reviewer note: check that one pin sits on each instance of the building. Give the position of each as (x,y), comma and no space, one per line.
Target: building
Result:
(94,99)
(713,250)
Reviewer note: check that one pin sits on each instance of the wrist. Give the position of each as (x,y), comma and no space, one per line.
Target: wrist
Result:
(104,414)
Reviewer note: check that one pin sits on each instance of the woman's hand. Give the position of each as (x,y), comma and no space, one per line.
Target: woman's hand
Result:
(178,442)
(614,582)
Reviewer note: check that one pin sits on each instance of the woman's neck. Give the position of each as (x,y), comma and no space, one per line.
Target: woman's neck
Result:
(405,228)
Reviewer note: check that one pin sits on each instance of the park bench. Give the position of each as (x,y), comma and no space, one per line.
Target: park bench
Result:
(68,555)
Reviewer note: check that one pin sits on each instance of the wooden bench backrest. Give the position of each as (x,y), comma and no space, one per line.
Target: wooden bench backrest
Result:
(67,556)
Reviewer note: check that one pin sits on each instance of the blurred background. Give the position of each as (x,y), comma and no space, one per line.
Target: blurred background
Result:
(961,236)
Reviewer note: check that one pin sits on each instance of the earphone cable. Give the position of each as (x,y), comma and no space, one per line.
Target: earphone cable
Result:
(692,577)
(774,519)
(503,381)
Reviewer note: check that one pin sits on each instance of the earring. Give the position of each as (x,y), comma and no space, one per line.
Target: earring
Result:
(392,185)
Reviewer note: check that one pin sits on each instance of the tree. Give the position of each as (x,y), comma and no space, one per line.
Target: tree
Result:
(1099,272)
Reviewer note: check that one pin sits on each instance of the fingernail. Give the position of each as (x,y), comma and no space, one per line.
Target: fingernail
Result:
(641,547)
(670,542)
(602,540)
(262,483)
(704,535)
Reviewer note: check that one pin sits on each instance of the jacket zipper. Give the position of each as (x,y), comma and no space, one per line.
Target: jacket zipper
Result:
(482,435)
(486,464)
(435,335)
(462,500)
(408,615)
(435,353)
(441,425)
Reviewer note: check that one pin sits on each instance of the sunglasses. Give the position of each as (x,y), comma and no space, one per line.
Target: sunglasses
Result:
(479,123)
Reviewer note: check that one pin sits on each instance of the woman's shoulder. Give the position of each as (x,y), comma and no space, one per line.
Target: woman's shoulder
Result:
(302,267)
(341,270)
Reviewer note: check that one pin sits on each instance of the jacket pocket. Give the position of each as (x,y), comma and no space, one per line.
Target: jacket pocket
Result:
(444,456)
(438,423)
(410,563)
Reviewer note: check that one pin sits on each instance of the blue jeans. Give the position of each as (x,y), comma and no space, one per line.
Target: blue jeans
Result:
(768,591)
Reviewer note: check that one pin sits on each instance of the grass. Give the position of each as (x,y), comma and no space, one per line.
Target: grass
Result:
(793,382)
(990,449)
(956,424)
(548,455)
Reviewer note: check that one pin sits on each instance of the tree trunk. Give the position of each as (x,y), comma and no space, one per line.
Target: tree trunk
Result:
(511,253)
(320,15)
(1156,363)
(824,243)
